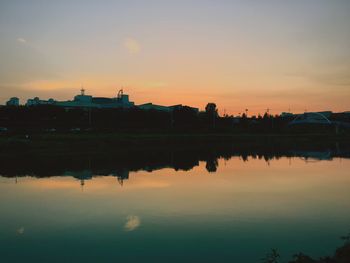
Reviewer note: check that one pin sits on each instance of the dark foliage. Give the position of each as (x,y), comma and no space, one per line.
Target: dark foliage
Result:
(181,119)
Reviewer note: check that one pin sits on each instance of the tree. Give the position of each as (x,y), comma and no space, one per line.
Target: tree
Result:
(212,113)
(211,109)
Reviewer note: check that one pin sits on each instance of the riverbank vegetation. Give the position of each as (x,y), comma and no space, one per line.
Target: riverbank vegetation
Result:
(182,119)
(341,255)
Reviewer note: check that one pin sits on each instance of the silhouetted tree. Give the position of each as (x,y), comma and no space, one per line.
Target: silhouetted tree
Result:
(211,109)
(302,258)
(212,113)
(272,257)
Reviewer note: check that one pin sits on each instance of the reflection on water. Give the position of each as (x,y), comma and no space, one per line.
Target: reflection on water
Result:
(214,206)
(20,230)
(119,164)
(132,223)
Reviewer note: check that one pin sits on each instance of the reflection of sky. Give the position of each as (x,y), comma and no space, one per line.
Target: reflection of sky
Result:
(245,206)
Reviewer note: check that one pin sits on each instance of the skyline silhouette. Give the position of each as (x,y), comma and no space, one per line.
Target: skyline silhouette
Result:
(256,55)
(174,131)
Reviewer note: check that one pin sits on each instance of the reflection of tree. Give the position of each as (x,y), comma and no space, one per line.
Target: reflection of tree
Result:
(300,257)
(212,165)
(272,257)
(244,157)
(179,155)
(341,255)
(121,174)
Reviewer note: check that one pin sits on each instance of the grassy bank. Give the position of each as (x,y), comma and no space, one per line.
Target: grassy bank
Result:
(96,142)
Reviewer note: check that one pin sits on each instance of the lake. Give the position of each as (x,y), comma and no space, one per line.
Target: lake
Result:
(232,208)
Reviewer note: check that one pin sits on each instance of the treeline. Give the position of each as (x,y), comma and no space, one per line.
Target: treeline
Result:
(341,255)
(182,119)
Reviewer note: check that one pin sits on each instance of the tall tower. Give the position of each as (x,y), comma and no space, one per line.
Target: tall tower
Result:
(82,91)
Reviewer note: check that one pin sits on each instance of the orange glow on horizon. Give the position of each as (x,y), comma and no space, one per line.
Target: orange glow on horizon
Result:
(162,93)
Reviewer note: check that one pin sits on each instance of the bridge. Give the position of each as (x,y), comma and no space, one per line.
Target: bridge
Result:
(317,118)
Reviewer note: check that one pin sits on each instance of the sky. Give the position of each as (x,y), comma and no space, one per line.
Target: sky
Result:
(241,54)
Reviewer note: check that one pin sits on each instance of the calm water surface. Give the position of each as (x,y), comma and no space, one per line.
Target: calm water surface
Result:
(236,214)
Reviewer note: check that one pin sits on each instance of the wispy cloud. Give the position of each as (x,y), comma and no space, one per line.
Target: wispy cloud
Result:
(132,223)
(157,84)
(21,40)
(132,45)
(25,63)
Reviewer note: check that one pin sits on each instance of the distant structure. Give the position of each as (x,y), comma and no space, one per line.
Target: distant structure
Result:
(37,101)
(287,114)
(308,115)
(87,101)
(14,101)
(151,106)
(312,118)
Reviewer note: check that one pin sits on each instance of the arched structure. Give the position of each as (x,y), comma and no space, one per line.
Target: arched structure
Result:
(311,118)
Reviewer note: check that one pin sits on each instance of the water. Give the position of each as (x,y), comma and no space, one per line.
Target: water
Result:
(236,214)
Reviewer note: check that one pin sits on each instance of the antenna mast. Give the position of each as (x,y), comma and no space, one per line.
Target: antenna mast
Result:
(120,93)
(82,90)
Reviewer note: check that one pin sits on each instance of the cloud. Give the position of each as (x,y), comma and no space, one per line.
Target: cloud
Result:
(21,40)
(327,71)
(24,63)
(132,223)
(335,76)
(131,45)
(20,231)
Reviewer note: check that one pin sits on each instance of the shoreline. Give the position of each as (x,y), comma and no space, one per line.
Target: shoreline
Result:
(109,142)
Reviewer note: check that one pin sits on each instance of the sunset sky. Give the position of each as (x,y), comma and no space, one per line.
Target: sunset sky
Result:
(255,54)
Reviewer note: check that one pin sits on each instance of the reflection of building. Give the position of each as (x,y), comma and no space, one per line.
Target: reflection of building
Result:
(14,101)
(314,155)
(121,174)
(87,101)
(84,174)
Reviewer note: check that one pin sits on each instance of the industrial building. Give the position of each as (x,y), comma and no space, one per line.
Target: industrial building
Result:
(37,101)
(14,101)
(87,101)
(151,106)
